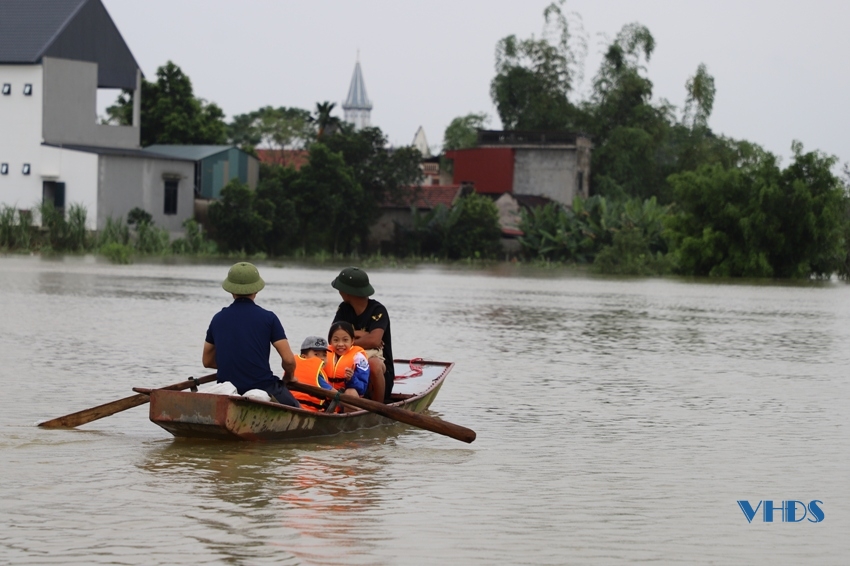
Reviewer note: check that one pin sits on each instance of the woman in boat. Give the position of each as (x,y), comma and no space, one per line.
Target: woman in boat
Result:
(310,370)
(347,368)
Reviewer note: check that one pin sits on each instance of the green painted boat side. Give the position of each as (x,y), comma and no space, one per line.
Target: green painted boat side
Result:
(204,415)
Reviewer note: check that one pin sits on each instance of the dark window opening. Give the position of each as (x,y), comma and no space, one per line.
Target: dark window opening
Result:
(28,89)
(580,181)
(170,197)
(7,89)
(53,192)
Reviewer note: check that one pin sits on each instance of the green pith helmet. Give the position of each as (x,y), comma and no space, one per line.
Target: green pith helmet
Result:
(354,281)
(243,279)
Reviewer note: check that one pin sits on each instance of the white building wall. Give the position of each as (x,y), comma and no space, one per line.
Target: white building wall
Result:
(359,117)
(20,136)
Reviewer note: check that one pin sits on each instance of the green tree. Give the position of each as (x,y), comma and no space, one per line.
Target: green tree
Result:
(170,112)
(276,186)
(628,130)
(329,201)
(462,132)
(386,175)
(472,229)
(759,221)
(239,220)
(700,98)
(534,76)
(275,128)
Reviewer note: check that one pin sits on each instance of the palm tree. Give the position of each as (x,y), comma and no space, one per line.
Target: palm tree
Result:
(323,119)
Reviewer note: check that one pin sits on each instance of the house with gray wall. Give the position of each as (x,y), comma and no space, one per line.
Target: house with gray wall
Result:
(54,56)
(215,166)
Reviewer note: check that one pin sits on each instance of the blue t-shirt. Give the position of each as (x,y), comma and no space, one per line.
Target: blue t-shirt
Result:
(242,334)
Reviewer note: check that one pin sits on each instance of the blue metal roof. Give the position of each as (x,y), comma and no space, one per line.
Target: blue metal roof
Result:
(357,98)
(190,152)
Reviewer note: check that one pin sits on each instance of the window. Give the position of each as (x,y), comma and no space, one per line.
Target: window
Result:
(170,197)
(7,89)
(25,169)
(53,193)
(27,89)
(4,168)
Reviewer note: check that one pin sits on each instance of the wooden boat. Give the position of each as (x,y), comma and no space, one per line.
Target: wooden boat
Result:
(205,415)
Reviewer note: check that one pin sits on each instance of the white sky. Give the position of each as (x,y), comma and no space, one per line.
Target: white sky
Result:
(780,66)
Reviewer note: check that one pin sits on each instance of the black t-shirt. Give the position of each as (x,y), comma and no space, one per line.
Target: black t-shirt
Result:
(375,316)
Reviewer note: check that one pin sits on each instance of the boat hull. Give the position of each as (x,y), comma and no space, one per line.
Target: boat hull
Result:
(204,415)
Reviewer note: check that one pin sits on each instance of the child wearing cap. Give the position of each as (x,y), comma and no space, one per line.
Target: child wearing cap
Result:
(310,370)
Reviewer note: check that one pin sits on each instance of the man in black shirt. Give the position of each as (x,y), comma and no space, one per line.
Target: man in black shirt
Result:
(371,323)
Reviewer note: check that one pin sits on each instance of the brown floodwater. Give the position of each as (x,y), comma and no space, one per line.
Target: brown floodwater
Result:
(619,421)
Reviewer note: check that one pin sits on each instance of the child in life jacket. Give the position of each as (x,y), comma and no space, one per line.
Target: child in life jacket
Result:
(310,370)
(347,368)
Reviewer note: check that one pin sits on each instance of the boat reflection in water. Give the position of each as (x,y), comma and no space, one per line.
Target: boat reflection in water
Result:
(326,496)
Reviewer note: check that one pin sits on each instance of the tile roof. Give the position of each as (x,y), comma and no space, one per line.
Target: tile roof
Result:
(295,158)
(427,197)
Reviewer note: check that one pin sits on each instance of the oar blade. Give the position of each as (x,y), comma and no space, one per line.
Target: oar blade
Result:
(89,415)
(107,409)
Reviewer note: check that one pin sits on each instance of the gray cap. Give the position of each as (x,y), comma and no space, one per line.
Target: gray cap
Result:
(314,343)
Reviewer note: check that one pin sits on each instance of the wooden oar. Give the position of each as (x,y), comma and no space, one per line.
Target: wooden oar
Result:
(89,415)
(402,415)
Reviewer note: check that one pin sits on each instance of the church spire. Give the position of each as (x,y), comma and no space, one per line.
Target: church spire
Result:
(357,107)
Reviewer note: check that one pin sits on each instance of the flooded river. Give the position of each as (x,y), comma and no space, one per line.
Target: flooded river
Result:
(618,421)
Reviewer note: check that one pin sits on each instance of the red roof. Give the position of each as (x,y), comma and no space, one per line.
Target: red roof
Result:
(295,158)
(427,197)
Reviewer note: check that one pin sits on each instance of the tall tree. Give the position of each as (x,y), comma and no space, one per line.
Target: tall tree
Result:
(170,112)
(323,119)
(700,98)
(534,76)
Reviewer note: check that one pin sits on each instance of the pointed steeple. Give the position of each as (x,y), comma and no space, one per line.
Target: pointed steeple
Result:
(357,107)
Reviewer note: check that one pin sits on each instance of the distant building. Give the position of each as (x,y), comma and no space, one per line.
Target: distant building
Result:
(399,215)
(555,165)
(215,166)
(357,108)
(420,142)
(54,56)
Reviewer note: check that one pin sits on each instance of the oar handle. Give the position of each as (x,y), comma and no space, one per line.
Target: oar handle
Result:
(396,413)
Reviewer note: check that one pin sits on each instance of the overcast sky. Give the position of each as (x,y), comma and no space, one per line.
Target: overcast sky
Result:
(780,67)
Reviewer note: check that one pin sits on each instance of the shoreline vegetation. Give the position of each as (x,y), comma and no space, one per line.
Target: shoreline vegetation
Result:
(139,240)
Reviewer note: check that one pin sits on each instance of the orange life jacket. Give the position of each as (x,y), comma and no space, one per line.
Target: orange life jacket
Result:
(307,371)
(336,365)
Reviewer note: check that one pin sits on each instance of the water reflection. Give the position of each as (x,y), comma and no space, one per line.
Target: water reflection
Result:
(308,502)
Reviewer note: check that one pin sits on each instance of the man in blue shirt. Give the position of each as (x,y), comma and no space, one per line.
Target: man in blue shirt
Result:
(238,339)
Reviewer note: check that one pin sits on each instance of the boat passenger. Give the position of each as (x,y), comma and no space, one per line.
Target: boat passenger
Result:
(239,335)
(347,367)
(371,322)
(310,370)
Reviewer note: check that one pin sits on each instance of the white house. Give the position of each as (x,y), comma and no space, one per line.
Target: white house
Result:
(54,56)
